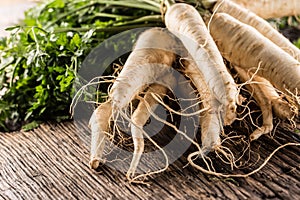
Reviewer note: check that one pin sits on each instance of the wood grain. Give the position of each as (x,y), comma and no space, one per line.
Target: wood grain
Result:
(51,162)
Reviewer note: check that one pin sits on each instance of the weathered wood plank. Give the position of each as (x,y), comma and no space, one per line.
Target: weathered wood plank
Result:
(51,162)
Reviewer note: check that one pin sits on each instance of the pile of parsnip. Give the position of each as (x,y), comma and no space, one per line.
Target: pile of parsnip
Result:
(265,61)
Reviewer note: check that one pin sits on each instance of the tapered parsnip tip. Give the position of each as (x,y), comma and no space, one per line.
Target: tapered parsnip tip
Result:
(130,174)
(94,163)
(261,131)
(230,115)
(99,124)
(283,109)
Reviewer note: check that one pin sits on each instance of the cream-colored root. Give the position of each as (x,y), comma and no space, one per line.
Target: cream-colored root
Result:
(245,47)
(214,173)
(99,125)
(149,63)
(213,101)
(139,119)
(235,162)
(246,16)
(199,151)
(146,105)
(151,58)
(268,100)
(137,179)
(264,103)
(272,8)
(210,122)
(185,22)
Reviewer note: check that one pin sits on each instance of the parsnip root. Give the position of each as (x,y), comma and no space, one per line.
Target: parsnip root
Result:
(266,62)
(210,119)
(246,16)
(268,100)
(139,119)
(245,47)
(99,124)
(272,8)
(186,23)
(150,60)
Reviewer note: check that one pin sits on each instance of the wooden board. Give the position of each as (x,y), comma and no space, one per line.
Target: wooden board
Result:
(51,162)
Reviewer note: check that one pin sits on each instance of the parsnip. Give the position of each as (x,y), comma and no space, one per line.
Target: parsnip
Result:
(139,119)
(271,8)
(150,60)
(184,21)
(268,100)
(246,16)
(99,124)
(210,120)
(245,47)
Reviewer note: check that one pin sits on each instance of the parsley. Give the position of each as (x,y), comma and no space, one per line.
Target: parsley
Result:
(39,61)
